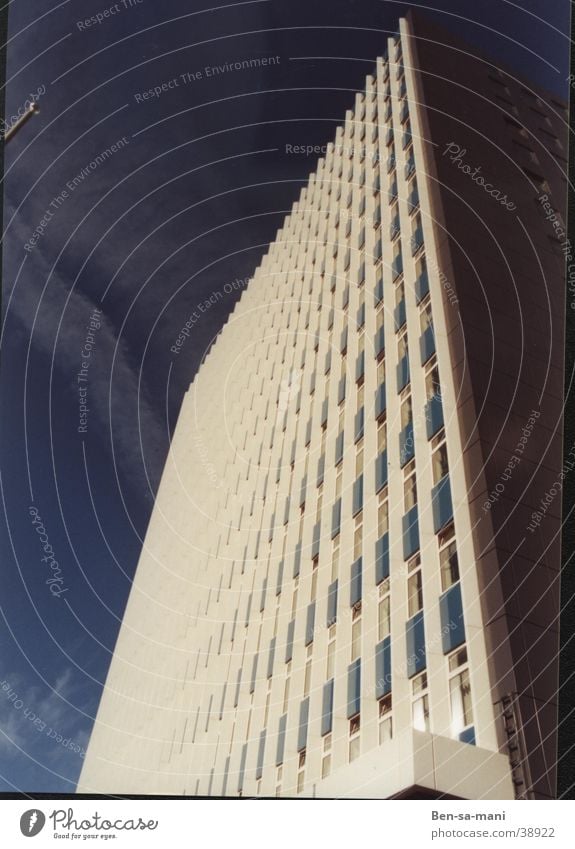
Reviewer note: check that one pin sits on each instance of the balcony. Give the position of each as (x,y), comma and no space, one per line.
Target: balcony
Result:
(427,344)
(358,424)
(360,366)
(421,286)
(416,240)
(402,371)
(357,496)
(380,401)
(441,504)
(382,559)
(381,471)
(379,341)
(315,540)
(415,645)
(399,315)
(433,415)
(451,613)
(406,445)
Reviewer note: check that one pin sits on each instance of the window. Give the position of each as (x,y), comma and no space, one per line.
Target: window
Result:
(381,437)
(460,697)
(409,487)
(384,618)
(406,411)
(382,515)
(449,566)
(356,639)
(439,463)
(420,703)
(432,385)
(414,593)
(425,316)
(330,665)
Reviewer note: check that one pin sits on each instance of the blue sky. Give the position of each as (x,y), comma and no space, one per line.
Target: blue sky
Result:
(142,206)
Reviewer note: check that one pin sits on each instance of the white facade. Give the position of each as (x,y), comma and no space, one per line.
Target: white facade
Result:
(242,539)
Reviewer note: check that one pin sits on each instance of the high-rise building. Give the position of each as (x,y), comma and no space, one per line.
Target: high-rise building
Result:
(349,585)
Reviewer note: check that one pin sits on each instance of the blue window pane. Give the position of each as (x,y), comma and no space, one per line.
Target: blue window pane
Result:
(433,416)
(397,263)
(468,736)
(310,623)
(281,740)
(399,314)
(381,471)
(406,444)
(327,708)
(383,668)
(410,533)
(289,641)
(427,344)
(357,496)
(356,582)
(402,370)
(331,604)
(441,504)
(452,625)
(382,559)
(421,286)
(354,688)
(415,645)
(303,720)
